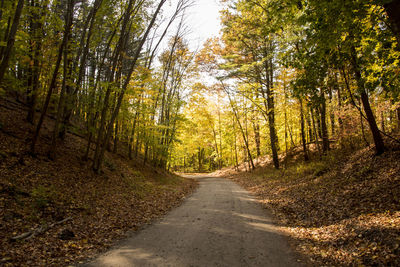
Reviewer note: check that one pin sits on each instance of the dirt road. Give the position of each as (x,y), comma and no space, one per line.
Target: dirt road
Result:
(219,225)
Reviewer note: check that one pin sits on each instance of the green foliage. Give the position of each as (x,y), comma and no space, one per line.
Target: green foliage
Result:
(42,196)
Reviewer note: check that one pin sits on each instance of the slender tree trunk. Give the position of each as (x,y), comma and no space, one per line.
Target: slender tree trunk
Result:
(309,125)
(331,113)
(115,147)
(67,30)
(102,142)
(257,137)
(318,124)
(379,144)
(271,118)
(200,158)
(34,47)
(362,129)
(315,133)
(61,101)
(235,145)
(220,137)
(383,121)
(71,98)
(6,32)
(286,120)
(131,139)
(11,40)
(115,112)
(241,128)
(398,118)
(324,128)
(303,136)
(339,96)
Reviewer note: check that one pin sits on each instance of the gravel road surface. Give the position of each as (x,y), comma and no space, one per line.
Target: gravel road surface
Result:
(219,225)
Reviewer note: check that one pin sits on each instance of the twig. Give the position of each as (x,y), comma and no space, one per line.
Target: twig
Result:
(40,230)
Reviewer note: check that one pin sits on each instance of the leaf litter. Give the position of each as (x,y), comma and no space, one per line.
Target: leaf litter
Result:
(36,192)
(347,215)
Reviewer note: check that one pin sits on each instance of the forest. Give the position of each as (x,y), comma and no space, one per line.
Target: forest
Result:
(285,74)
(105,88)
(292,74)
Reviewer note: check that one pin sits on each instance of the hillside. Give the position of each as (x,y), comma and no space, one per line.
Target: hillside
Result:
(87,212)
(342,210)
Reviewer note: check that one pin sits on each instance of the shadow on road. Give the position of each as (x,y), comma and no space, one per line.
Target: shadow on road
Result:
(219,225)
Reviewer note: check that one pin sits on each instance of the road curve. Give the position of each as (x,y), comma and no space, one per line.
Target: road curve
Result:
(219,225)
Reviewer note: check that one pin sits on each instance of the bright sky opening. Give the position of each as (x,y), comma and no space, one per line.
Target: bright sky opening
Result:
(203,22)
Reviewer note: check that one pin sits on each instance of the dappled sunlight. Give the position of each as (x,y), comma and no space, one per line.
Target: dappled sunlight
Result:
(126,256)
(248,199)
(219,223)
(253,217)
(267,227)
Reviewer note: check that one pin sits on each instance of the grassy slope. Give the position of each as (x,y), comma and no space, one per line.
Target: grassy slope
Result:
(343,210)
(35,191)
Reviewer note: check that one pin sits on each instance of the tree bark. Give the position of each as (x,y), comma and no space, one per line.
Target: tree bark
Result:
(271,118)
(303,135)
(324,128)
(11,40)
(71,97)
(115,147)
(240,127)
(379,144)
(257,137)
(315,133)
(67,29)
(115,112)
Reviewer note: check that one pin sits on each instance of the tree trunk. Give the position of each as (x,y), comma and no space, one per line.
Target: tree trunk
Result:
(220,137)
(240,127)
(383,121)
(393,11)
(115,112)
(71,98)
(315,133)
(303,135)
(102,141)
(309,126)
(339,96)
(61,101)
(67,30)
(362,129)
(131,138)
(235,145)
(271,117)
(257,137)
(324,128)
(34,50)
(11,40)
(379,144)
(398,118)
(286,119)
(115,147)
(331,113)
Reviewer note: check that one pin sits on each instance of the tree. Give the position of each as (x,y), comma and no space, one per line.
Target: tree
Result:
(5,56)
